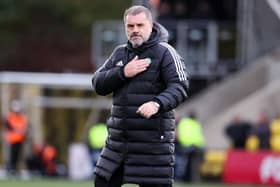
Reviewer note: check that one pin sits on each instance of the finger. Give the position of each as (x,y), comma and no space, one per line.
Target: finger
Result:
(143,64)
(138,110)
(147,115)
(139,70)
(134,60)
(142,61)
(147,60)
(136,57)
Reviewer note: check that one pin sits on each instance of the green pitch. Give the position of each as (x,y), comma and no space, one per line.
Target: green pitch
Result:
(69,183)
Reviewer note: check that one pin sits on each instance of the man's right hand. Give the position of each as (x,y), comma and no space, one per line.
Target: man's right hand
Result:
(135,67)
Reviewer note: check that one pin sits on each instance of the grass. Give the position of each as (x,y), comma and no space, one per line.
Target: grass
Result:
(69,183)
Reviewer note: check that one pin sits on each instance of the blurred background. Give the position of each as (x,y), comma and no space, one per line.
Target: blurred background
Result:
(49,50)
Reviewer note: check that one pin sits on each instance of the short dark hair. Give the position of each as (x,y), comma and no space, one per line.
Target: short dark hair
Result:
(137,9)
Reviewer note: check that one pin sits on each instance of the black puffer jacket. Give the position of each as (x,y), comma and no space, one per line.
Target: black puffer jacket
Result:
(144,146)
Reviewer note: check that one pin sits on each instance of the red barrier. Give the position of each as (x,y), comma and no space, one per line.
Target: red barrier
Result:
(254,168)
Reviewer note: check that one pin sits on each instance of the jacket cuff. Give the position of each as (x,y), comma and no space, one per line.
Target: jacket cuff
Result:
(159,102)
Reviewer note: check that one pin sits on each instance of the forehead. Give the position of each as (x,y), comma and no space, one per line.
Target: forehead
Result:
(135,19)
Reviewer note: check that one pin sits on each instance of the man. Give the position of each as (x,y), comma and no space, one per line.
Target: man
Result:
(189,151)
(16,126)
(96,140)
(238,131)
(148,80)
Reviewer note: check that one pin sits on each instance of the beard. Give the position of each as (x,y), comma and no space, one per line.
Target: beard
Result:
(136,42)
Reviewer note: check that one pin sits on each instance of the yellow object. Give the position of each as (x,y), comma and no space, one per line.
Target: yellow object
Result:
(275,127)
(208,169)
(275,143)
(252,143)
(213,163)
(97,135)
(190,132)
(215,156)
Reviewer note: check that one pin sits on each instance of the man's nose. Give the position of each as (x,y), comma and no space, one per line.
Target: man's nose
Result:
(135,29)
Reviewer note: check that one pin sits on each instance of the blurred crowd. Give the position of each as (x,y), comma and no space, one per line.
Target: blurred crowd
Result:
(182,9)
(263,135)
(41,160)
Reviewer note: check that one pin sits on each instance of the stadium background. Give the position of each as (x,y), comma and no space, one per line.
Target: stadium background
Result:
(46,41)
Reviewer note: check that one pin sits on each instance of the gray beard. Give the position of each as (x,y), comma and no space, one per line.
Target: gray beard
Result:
(136,45)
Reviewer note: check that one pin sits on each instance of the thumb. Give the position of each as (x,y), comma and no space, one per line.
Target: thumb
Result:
(136,57)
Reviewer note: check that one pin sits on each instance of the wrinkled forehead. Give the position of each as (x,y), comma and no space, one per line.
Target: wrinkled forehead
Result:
(136,19)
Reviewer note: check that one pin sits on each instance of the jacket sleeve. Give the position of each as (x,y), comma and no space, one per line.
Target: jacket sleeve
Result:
(108,77)
(174,75)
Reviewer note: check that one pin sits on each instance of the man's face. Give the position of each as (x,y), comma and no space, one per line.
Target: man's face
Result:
(138,29)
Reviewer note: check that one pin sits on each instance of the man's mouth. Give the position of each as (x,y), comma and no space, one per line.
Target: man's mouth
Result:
(135,36)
